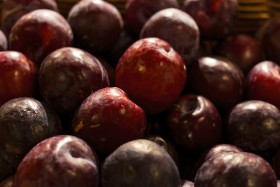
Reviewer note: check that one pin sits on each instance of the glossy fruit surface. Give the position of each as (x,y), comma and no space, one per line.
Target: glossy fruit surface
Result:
(170,22)
(47,29)
(18,76)
(67,76)
(108,118)
(152,73)
(59,161)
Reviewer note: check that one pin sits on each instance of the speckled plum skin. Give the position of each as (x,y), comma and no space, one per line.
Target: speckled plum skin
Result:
(18,76)
(47,29)
(194,123)
(170,22)
(140,163)
(108,118)
(24,122)
(235,169)
(59,161)
(152,74)
(12,10)
(254,126)
(67,76)
(96,25)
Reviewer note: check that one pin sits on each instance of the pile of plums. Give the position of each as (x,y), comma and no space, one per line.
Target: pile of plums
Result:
(167,94)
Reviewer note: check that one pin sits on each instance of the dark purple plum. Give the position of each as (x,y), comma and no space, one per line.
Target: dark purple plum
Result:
(263,83)
(40,32)
(254,126)
(96,25)
(137,12)
(218,80)
(215,18)
(108,118)
(241,49)
(18,76)
(24,122)
(12,10)
(140,163)
(194,123)
(235,169)
(67,76)
(220,149)
(170,22)
(59,161)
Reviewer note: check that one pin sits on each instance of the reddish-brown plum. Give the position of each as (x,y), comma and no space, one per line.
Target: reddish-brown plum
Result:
(152,73)
(269,35)
(18,76)
(108,118)
(235,169)
(12,10)
(140,163)
(263,83)
(40,32)
(137,12)
(170,22)
(194,123)
(243,50)
(7,182)
(96,25)
(67,76)
(218,80)
(215,18)
(24,122)
(59,161)
(254,126)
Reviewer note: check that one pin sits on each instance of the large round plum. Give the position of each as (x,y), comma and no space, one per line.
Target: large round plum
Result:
(40,32)
(59,161)
(23,123)
(140,163)
(67,76)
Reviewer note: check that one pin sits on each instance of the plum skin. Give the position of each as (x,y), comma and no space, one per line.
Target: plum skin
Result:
(47,29)
(59,161)
(67,76)
(152,74)
(108,118)
(140,163)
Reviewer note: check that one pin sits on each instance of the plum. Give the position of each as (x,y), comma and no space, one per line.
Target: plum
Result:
(7,182)
(235,169)
(170,22)
(220,149)
(140,163)
(254,126)
(12,10)
(40,32)
(67,76)
(152,74)
(96,25)
(263,83)
(217,79)
(59,161)
(18,76)
(108,118)
(137,12)
(194,123)
(3,41)
(187,183)
(24,122)
(215,18)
